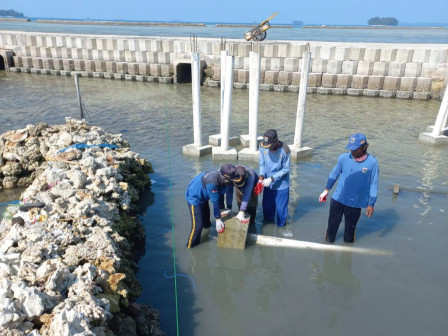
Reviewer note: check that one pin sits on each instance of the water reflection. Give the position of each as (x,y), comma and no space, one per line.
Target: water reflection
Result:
(336,284)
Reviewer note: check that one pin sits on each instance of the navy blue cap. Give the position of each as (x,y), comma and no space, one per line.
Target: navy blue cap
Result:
(269,137)
(355,141)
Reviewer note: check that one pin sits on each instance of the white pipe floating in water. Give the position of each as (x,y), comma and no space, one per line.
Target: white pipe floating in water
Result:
(282,242)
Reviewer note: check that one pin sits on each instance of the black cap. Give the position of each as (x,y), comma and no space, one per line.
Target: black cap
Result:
(228,171)
(269,137)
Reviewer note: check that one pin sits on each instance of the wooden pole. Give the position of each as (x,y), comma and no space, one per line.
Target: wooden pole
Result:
(79,96)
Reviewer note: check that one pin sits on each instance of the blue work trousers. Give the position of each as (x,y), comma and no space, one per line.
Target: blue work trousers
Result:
(351,215)
(200,218)
(275,205)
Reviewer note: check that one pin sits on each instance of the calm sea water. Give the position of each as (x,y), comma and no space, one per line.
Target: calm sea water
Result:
(425,36)
(268,290)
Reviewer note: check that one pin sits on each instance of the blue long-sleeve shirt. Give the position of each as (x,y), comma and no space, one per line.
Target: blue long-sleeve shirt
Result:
(275,165)
(208,186)
(358,181)
(247,189)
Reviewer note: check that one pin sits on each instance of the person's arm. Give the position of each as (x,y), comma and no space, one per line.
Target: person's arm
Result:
(286,160)
(214,194)
(334,175)
(229,195)
(247,191)
(373,189)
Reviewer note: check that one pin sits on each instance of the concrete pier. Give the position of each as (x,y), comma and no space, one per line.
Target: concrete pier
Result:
(402,71)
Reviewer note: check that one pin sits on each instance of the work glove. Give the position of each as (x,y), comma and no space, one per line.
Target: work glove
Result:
(219,225)
(225,212)
(242,218)
(267,182)
(323,196)
(258,188)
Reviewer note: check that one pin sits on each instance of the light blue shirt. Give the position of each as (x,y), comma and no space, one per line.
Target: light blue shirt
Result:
(275,165)
(358,181)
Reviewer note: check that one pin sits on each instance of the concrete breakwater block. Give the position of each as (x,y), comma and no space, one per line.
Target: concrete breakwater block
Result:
(234,236)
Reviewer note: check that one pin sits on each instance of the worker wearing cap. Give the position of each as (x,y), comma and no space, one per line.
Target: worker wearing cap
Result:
(274,163)
(244,179)
(357,188)
(206,186)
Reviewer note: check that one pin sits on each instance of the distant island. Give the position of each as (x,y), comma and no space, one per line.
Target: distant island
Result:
(11,13)
(386,21)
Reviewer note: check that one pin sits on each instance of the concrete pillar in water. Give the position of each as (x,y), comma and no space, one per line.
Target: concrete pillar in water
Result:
(251,153)
(196,149)
(297,151)
(225,152)
(438,134)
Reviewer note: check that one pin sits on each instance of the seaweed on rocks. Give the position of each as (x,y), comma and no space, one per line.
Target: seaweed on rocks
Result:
(69,267)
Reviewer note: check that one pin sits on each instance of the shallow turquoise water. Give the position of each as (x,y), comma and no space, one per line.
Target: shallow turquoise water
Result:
(266,290)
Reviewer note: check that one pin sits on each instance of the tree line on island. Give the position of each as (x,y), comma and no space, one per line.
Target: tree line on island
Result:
(11,13)
(386,21)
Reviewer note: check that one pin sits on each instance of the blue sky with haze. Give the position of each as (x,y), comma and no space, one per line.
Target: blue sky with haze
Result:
(355,12)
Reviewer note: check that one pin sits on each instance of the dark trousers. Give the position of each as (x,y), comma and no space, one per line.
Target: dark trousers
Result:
(351,215)
(200,218)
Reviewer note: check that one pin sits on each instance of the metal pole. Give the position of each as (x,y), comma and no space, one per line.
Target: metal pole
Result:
(196,97)
(79,96)
(441,116)
(301,104)
(227,103)
(254,94)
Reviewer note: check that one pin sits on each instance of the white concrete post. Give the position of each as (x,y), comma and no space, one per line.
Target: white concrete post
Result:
(196,96)
(224,54)
(227,107)
(301,104)
(441,116)
(254,93)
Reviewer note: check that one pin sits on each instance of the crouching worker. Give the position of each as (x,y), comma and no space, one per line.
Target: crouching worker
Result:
(204,187)
(244,179)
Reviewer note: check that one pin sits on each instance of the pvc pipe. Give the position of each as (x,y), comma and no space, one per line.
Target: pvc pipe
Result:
(224,54)
(301,104)
(441,116)
(227,103)
(79,96)
(254,94)
(196,97)
(282,242)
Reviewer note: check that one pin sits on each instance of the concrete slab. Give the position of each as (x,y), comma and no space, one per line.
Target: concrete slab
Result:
(234,235)
(215,140)
(248,154)
(300,153)
(433,140)
(245,140)
(227,155)
(193,150)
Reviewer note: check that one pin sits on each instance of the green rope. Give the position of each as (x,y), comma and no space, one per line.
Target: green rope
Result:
(171,212)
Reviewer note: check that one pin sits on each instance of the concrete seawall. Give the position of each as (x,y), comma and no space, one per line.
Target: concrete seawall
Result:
(418,71)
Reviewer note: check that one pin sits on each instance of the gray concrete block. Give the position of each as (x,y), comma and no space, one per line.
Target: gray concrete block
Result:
(140,78)
(97,55)
(108,55)
(396,69)
(129,56)
(341,53)
(424,84)
(380,69)
(45,52)
(168,46)
(408,83)
(66,52)
(276,64)
(413,69)
(391,83)
(240,86)
(311,90)
(37,63)
(17,61)
(421,55)
(404,94)
(56,52)
(87,74)
(154,70)
(356,54)
(295,80)
(438,56)
(55,72)
(271,77)
(371,93)
(58,64)
(339,91)
(315,51)
(284,78)
(144,69)
(100,66)
(129,77)
(78,53)
(319,65)
(296,51)
(97,74)
(404,55)
(293,88)
(344,81)
(89,65)
(111,67)
(243,76)
(27,62)
(65,73)
(270,50)
(133,68)
(372,55)
(329,80)
(265,64)
(284,50)
(166,70)
(359,82)
(280,88)
(421,95)
(35,71)
(266,87)
(238,62)
(334,67)
(326,52)
(387,94)
(365,68)
(152,57)
(291,64)
(436,71)
(315,80)
(47,63)
(375,83)
(156,45)
(243,50)
(234,235)
(350,67)
(91,43)
(35,51)
(354,92)
(119,56)
(323,90)
(163,57)
(134,45)
(140,56)
(122,67)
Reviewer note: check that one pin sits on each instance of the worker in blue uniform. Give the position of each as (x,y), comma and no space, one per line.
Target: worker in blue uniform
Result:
(244,180)
(274,161)
(357,188)
(210,185)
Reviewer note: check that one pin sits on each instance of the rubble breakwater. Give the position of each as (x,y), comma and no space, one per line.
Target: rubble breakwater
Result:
(67,262)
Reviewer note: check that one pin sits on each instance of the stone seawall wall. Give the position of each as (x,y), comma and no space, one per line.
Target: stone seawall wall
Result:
(370,69)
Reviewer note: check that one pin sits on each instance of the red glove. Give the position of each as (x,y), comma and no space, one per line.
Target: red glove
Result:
(258,188)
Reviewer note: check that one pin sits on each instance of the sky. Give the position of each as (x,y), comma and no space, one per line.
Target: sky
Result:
(350,12)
